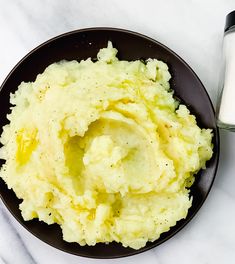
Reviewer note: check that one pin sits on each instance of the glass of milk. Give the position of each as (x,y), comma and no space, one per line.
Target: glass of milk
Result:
(226,98)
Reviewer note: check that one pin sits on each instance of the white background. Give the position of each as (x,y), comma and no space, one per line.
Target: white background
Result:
(194,30)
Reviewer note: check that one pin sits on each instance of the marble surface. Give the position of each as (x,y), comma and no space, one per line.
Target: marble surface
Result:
(194,30)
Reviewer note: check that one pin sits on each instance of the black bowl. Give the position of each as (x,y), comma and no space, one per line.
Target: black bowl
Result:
(84,43)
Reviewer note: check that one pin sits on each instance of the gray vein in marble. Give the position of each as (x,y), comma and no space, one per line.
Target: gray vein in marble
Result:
(225,191)
(6,218)
(7,15)
(44,20)
(35,22)
(3,260)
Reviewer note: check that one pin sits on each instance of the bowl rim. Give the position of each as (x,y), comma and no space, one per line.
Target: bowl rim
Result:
(187,219)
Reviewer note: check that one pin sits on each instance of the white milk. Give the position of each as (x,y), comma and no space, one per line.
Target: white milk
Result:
(226,112)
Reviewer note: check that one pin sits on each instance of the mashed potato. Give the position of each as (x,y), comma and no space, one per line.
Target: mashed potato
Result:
(103,149)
